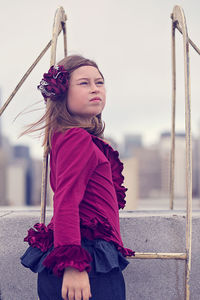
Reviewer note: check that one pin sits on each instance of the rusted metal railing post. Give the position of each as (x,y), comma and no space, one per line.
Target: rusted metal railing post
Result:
(59,24)
(178,17)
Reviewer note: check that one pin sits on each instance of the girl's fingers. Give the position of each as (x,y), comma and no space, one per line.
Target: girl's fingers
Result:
(86,294)
(77,294)
(64,293)
(71,294)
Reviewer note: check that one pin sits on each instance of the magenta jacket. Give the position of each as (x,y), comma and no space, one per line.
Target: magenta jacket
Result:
(86,178)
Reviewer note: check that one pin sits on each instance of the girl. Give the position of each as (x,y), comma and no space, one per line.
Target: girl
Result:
(80,254)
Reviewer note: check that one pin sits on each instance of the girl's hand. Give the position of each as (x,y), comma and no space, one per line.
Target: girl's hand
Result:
(75,285)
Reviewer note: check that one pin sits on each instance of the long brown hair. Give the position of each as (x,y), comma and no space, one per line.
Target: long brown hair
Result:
(57,116)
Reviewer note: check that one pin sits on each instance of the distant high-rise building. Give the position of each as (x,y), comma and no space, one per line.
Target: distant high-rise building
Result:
(0,121)
(21,151)
(16,183)
(196,167)
(19,177)
(180,164)
(131,181)
(37,181)
(132,142)
(149,171)
(3,164)
(5,154)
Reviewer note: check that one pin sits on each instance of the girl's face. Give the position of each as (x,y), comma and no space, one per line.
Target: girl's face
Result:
(86,94)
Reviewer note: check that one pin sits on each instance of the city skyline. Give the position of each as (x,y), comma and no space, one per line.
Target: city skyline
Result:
(146,172)
(119,145)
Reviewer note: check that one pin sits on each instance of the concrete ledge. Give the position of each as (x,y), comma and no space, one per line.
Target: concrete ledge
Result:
(146,279)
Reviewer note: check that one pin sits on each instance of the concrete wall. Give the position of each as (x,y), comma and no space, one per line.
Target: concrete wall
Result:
(141,231)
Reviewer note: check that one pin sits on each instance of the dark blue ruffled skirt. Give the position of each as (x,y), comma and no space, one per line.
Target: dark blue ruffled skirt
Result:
(105,257)
(106,278)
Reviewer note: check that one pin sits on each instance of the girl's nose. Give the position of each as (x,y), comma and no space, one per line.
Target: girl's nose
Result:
(94,87)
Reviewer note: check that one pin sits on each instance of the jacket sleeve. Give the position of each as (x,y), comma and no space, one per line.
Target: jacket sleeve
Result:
(75,161)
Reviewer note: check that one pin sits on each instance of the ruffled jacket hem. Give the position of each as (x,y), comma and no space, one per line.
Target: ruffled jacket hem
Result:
(101,229)
(125,251)
(71,255)
(96,228)
(62,256)
(41,237)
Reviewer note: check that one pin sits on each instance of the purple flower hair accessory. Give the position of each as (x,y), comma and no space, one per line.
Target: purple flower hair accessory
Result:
(54,83)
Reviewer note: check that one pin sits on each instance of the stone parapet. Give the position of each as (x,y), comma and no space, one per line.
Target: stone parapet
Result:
(146,279)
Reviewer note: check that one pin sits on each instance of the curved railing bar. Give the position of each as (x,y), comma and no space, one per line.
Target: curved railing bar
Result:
(63,28)
(178,18)
(24,78)
(59,24)
(189,40)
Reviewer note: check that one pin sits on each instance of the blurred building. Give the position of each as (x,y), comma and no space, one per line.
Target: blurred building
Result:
(19,177)
(142,170)
(151,167)
(149,172)
(5,157)
(37,180)
(3,164)
(1,136)
(16,183)
(196,167)
(180,164)
(132,142)
(37,184)
(130,174)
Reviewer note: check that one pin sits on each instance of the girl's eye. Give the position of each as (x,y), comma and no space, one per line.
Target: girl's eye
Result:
(100,82)
(83,83)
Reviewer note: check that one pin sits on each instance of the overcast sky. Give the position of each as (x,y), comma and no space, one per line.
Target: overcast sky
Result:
(131,42)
